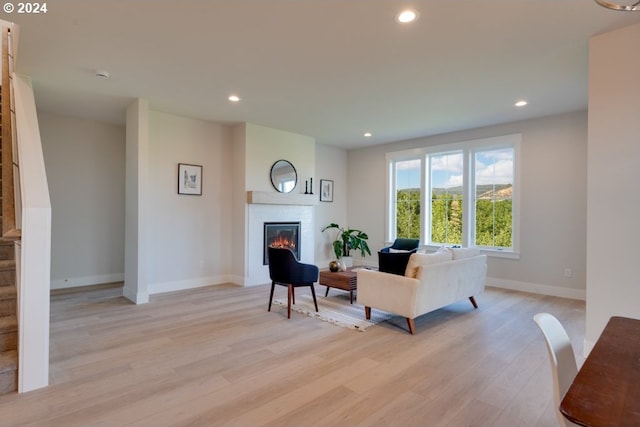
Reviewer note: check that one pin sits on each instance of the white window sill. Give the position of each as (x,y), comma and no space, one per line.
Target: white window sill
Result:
(493,253)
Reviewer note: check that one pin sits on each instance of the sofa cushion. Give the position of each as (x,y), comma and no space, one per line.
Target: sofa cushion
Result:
(461,253)
(420,260)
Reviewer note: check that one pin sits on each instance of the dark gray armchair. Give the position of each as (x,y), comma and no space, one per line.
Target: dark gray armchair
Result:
(393,262)
(286,270)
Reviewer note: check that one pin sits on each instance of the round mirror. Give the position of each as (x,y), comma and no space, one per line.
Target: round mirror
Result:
(283,176)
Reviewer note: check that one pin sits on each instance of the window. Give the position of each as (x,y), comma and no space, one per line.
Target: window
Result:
(494,198)
(406,177)
(445,188)
(469,191)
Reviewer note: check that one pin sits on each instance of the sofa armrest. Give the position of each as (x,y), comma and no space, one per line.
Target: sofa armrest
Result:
(388,292)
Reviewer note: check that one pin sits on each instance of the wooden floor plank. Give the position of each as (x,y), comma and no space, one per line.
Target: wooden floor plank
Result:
(215,356)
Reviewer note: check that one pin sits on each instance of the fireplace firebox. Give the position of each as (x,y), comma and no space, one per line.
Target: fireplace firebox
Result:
(281,235)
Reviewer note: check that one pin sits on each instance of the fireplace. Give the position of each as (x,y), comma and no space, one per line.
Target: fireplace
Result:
(281,235)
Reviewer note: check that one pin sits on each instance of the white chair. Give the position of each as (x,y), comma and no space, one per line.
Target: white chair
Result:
(563,360)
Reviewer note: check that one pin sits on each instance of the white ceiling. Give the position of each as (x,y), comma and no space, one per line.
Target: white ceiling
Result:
(330,69)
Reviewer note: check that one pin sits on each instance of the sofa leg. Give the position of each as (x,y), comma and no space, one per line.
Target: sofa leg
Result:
(473,301)
(367,312)
(412,325)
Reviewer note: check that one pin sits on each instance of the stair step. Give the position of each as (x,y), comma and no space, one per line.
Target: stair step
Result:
(8,292)
(8,305)
(7,251)
(8,372)
(7,264)
(8,324)
(8,333)
(7,273)
(8,361)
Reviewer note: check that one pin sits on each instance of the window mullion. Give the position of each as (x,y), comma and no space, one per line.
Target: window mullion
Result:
(468,199)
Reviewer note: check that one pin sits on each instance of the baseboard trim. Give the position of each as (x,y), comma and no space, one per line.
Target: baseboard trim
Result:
(181,285)
(76,282)
(135,297)
(536,288)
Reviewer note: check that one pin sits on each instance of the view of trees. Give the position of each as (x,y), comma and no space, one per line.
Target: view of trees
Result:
(446,214)
(408,215)
(493,215)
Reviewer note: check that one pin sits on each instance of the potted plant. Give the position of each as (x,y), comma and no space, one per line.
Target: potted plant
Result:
(348,239)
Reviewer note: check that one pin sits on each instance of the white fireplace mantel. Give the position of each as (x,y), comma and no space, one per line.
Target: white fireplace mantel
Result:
(273,198)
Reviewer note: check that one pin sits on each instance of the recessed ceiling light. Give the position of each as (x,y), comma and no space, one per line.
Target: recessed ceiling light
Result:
(521,103)
(234,98)
(103,74)
(367,134)
(407,16)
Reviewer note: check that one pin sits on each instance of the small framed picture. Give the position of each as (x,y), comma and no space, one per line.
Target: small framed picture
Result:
(189,179)
(326,190)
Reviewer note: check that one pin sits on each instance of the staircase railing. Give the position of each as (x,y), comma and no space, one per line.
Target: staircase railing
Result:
(9,164)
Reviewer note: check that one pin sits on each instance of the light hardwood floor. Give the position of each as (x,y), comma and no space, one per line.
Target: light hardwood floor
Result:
(215,356)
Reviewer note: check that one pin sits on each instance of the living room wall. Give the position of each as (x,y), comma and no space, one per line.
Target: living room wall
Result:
(614,200)
(331,163)
(188,236)
(553,204)
(85,168)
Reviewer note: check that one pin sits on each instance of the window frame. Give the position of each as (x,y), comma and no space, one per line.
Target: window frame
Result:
(469,149)
(391,193)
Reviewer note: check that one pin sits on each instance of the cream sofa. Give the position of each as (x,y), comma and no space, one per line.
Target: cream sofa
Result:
(431,281)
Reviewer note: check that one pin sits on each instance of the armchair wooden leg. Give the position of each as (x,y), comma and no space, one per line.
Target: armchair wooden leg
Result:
(367,312)
(412,325)
(313,292)
(273,285)
(293,294)
(473,301)
(289,296)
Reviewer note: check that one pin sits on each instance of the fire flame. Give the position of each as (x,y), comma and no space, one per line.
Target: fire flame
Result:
(282,242)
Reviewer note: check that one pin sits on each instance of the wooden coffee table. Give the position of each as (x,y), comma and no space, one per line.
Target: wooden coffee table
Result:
(345,280)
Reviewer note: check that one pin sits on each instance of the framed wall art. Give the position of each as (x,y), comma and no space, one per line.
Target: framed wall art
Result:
(326,190)
(189,179)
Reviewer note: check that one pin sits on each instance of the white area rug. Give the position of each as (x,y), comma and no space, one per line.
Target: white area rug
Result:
(335,309)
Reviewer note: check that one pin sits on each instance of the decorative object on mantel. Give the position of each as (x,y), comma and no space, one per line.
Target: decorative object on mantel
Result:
(629,7)
(308,186)
(326,190)
(283,176)
(189,179)
(348,239)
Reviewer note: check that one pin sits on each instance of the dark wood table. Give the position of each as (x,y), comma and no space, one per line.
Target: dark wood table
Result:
(606,391)
(345,280)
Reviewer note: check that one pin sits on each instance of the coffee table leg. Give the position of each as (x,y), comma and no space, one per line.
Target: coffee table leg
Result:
(326,294)
(351,296)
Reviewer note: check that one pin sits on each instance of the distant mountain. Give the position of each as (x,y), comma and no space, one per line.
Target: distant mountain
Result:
(488,191)
(500,192)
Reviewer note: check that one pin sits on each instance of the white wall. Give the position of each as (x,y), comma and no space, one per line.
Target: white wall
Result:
(331,163)
(189,237)
(553,204)
(265,146)
(85,168)
(613,287)
(255,149)
(33,254)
